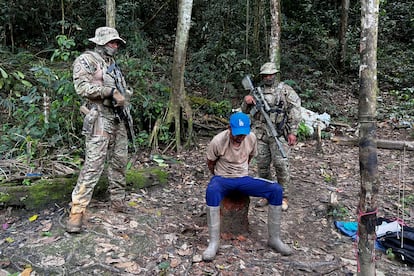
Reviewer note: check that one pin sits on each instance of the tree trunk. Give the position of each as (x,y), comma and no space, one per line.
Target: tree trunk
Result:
(110,13)
(246,47)
(275,34)
(45,192)
(178,101)
(343,31)
(234,210)
(257,17)
(368,159)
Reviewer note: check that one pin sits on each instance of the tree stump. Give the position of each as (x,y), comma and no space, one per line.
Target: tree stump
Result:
(234,209)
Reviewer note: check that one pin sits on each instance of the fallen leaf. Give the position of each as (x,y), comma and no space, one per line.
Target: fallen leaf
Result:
(47,225)
(110,260)
(242,264)
(53,261)
(4,263)
(130,267)
(184,252)
(241,238)
(175,262)
(164,265)
(9,240)
(47,240)
(221,267)
(26,271)
(133,224)
(197,258)
(105,247)
(46,234)
(33,218)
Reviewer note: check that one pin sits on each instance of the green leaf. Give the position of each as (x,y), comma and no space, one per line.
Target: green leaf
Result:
(164,265)
(33,218)
(26,83)
(46,234)
(20,74)
(3,73)
(9,239)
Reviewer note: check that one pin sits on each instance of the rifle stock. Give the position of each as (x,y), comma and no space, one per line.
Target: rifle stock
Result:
(262,106)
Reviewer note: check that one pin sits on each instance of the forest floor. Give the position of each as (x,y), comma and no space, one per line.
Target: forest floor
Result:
(166,232)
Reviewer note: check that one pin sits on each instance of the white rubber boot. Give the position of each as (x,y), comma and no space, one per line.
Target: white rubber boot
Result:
(273,224)
(213,221)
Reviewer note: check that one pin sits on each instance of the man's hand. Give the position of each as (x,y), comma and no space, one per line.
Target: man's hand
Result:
(249,99)
(118,98)
(211,164)
(292,139)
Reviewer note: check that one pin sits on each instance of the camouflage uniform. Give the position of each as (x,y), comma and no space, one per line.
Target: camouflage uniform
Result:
(106,135)
(285,114)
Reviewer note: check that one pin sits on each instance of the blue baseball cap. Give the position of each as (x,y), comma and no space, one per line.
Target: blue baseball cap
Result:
(239,124)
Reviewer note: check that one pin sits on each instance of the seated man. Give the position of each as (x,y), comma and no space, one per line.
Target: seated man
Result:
(228,157)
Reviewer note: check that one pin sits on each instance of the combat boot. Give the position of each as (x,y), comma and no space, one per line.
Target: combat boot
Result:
(74,223)
(213,221)
(264,202)
(274,219)
(285,204)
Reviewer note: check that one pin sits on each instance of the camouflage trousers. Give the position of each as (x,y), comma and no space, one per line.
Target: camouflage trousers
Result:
(111,147)
(268,154)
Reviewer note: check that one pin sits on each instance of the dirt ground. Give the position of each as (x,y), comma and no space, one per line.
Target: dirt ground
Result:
(166,232)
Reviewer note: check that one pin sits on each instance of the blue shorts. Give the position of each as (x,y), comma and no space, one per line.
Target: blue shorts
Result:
(219,187)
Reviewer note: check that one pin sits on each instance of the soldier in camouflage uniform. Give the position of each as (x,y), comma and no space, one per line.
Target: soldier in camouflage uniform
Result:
(285,114)
(97,81)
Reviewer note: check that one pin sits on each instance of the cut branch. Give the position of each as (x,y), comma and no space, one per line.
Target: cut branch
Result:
(383,144)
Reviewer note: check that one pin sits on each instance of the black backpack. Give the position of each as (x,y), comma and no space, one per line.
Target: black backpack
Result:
(393,240)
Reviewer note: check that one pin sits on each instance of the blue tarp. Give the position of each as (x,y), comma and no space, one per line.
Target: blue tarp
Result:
(350,229)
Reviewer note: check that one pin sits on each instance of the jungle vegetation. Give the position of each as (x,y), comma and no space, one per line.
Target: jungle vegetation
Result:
(39,40)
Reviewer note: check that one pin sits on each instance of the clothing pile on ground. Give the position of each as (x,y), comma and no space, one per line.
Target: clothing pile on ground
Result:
(393,237)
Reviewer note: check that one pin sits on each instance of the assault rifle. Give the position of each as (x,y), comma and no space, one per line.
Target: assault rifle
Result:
(120,111)
(263,106)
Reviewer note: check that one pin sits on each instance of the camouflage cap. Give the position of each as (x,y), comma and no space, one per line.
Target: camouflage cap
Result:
(105,34)
(269,68)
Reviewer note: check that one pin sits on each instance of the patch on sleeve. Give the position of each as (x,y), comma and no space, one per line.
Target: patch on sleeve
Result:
(84,64)
(77,68)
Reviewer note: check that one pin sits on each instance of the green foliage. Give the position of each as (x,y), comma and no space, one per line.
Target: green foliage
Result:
(141,139)
(309,100)
(406,98)
(4,197)
(222,75)
(407,201)
(303,132)
(203,105)
(326,135)
(220,53)
(339,212)
(40,111)
(390,254)
(63,53)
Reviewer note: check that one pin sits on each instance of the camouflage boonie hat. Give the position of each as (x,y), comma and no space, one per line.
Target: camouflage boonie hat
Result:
(105,34)
(269,68)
